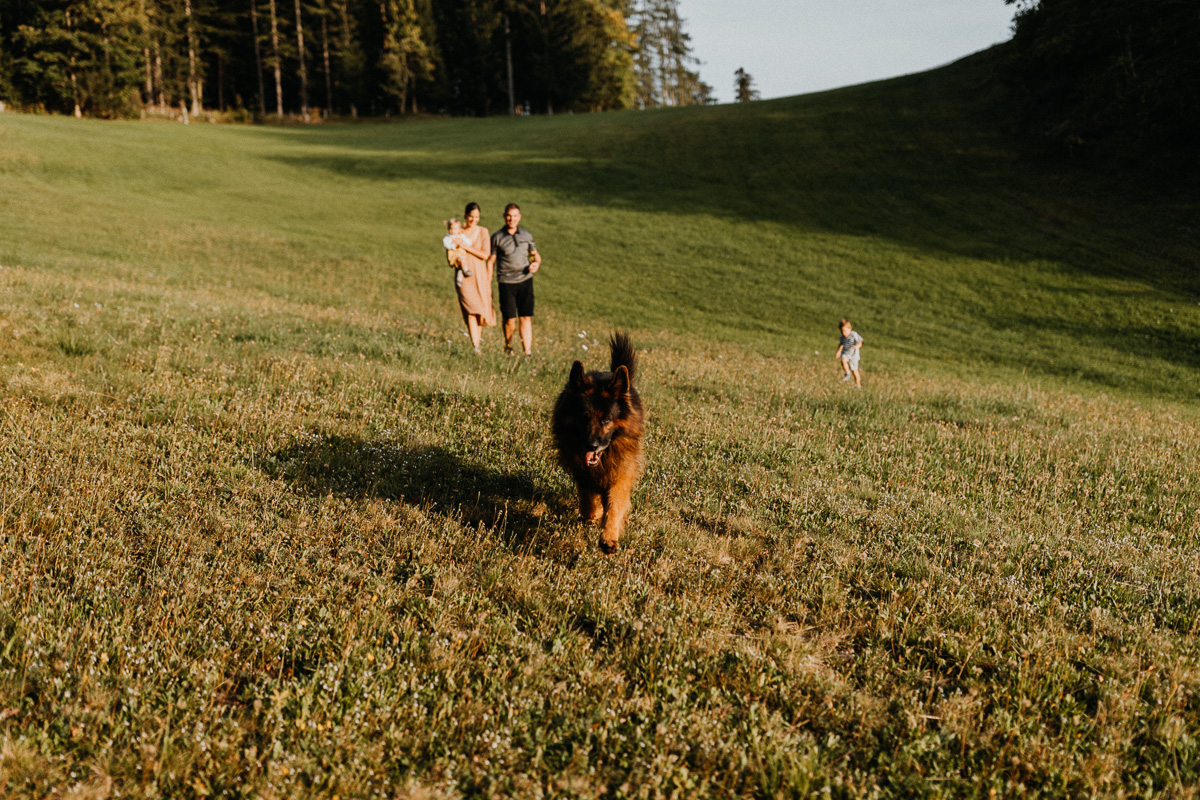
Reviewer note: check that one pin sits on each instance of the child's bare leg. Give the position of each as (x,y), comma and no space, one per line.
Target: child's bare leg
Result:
(845,368)
(857,379)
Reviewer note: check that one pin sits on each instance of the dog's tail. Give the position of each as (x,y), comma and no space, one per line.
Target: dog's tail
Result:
(623,354)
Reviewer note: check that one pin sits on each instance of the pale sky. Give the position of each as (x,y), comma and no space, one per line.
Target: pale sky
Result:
(800,46)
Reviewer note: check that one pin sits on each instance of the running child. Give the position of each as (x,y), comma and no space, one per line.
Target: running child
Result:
(849,346)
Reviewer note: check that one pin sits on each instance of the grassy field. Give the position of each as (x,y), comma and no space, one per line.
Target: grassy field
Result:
(269,529)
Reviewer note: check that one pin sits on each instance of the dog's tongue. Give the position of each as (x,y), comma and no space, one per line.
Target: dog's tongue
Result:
(592,458)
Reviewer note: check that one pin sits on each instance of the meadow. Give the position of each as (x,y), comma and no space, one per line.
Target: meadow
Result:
(269,528)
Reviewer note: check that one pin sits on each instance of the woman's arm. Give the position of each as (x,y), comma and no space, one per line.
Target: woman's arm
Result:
(484,252)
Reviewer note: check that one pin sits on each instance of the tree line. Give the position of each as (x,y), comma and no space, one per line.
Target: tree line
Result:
(1093,70)
(119,58)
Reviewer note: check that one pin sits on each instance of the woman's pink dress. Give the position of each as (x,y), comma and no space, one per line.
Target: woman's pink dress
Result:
(475,293)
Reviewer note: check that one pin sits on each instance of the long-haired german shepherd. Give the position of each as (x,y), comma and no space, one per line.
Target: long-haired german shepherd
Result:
(598,423)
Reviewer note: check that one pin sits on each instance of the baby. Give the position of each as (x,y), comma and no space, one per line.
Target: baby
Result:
(453,241)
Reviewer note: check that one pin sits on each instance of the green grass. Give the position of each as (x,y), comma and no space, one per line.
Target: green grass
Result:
(269,529)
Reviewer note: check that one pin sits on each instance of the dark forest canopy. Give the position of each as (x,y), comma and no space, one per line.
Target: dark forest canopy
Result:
(1091,70)
(116,58)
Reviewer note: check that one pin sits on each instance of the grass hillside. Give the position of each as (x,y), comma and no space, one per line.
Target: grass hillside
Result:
(269,529)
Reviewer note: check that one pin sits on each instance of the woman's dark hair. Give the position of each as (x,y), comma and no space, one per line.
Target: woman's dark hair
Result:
(471,207)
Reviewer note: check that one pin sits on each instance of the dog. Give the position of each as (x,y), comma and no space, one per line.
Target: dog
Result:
(598,423)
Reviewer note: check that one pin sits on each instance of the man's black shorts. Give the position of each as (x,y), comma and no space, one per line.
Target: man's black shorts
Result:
(516,299)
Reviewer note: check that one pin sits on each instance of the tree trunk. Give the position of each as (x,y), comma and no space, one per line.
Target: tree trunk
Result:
(512,95)
(325,58)
(303,69)
(160,97)
(346,43)
(662,69)
(74,83)
(275,60)
(262,94)
(148,90)
(75,91)
(193,87)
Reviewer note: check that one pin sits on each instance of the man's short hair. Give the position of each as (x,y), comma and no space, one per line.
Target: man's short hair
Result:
(510,207)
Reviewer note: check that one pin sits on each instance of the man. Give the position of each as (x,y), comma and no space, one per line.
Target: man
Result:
(515,260)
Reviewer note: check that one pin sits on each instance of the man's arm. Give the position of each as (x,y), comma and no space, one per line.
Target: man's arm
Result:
(535,260)
(491,254)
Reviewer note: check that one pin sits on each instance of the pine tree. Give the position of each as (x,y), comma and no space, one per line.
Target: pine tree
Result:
(663,57)
(743,86)
(83,55)
(406,54)
(351,58)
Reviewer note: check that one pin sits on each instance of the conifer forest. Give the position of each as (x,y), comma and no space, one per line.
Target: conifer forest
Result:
(309,59)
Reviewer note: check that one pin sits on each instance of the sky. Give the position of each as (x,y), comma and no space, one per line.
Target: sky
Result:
(799,46)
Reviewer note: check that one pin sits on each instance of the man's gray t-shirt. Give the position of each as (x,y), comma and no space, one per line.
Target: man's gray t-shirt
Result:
(512,255)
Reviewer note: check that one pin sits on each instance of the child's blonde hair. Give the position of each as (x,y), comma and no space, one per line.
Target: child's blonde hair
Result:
(453,221)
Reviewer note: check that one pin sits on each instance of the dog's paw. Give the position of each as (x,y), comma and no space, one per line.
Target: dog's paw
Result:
(609,546)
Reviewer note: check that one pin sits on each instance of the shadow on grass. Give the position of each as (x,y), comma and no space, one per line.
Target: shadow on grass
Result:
(427,477)
(927,162)
(1166,342)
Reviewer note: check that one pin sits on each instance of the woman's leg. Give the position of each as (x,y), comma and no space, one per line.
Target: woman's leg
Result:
(473,328)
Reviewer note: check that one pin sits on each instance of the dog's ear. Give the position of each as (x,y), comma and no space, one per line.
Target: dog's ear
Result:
(576,381)
(620,382)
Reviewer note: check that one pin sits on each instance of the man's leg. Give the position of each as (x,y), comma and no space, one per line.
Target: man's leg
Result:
(527,334)
(510,327)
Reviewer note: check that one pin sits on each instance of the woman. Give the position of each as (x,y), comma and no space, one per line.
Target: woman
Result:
(475,292)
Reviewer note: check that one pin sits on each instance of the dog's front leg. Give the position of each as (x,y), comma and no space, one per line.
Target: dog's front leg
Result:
(616,508)
(590,507)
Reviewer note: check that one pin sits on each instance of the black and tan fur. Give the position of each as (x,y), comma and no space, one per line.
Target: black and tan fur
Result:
(598,424)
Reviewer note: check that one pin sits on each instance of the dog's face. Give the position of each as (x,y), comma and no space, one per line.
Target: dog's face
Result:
(603,403)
